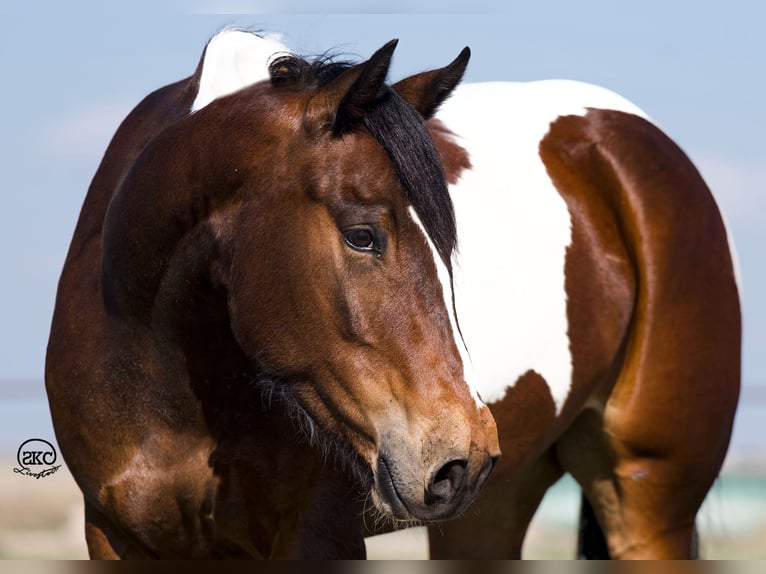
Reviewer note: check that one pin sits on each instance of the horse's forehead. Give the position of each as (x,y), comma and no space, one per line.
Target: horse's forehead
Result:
(357,165)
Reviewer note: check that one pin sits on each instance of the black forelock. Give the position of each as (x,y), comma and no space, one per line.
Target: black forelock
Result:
(400,129)
(302,73)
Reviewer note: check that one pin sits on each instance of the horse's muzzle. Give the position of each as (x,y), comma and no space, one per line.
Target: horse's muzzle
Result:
(448,491)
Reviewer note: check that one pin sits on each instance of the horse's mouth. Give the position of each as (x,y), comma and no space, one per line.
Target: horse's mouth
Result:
(387,493)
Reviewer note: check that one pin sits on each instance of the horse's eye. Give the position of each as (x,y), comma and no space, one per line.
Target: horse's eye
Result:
(361,238)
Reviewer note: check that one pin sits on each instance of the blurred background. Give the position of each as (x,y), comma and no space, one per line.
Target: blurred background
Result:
(69,73)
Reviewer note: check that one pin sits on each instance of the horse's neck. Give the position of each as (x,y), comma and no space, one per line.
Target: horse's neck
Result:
(163,198)
(190,305)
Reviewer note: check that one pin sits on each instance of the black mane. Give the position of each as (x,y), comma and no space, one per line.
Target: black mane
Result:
(401,131)
(306,74)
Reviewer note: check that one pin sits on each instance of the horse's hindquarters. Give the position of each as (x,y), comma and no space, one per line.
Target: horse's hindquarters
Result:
(664,430)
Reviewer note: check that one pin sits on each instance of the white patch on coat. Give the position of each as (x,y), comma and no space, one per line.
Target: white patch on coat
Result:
(234,59)
(513,231)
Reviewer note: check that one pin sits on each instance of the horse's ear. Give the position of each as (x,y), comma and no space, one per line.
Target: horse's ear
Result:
(344,102)
(426,91)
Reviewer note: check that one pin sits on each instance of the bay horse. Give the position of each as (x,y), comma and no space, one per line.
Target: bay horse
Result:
(249,270)
(275,244)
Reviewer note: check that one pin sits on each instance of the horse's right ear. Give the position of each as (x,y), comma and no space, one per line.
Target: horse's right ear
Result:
(343,103)
(427,91)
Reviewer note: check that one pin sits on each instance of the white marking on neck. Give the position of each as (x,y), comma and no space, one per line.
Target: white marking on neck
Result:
(233,60)
(446,283)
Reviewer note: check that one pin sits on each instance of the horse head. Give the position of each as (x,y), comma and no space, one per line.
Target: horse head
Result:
(326,202)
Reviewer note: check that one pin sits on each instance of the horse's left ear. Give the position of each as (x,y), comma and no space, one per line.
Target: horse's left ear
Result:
(426,91)
(344,102)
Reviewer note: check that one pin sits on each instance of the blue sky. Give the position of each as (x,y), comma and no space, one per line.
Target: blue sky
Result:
(70,71)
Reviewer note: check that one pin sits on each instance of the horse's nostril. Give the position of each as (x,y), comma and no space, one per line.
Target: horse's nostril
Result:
(446,482)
